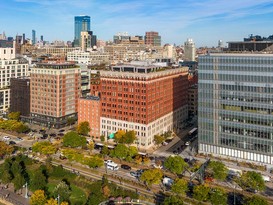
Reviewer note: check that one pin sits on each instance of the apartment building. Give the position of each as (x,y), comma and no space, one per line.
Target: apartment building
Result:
(235,112)
(55,90)
(88,58)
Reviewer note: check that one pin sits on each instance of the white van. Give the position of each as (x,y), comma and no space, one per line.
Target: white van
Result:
(112,166)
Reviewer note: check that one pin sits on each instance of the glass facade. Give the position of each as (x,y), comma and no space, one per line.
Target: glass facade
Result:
(82,23)
(235,108)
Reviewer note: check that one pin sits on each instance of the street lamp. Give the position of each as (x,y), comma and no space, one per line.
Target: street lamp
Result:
(26,195)
(58,199)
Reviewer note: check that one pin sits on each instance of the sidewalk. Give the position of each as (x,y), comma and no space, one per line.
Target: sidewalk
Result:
(9,197)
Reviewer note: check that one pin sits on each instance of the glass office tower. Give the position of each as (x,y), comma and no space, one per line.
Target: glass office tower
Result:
(82,23)
(235,108)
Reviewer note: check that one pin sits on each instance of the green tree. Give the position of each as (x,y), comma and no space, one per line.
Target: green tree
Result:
(120,151)
(218,197)
(158,139)
(14,116)
(130,137)
(44,147)
(256,200)
(38,198)
(102,138)
(152,176)
(18,181)
(83,128)
(63,190)
(73,139)
(251,180)
(218,170)
(105,150)
(180,186)
(38,180)
(201,192)
(175,164)
(173,200)
(70,121)
(132,151)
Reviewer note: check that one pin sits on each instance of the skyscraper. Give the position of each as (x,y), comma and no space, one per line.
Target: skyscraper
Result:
(33,37)
(152,38)
(82,23)
(189,50)
(235,108)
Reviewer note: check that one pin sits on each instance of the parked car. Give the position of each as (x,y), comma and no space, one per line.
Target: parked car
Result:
(6,138)
(61,130)
(19,138)
(187,143)
(12,142)
(125,166)
(135,174)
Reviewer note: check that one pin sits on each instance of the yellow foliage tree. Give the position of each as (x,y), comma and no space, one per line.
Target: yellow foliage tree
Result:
(51,201)
(38,198)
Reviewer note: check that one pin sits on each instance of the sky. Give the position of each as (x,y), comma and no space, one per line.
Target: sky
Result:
(205,21)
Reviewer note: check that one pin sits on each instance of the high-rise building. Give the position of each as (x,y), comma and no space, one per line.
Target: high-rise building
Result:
(55,89)
(33,37)
(144,99)
(152,38)
(189,50)
(82,23)
(85,40)
(42,38)
(235,94)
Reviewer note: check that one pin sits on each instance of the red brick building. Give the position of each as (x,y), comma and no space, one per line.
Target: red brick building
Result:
(89,109)
(147,99)
(54,93)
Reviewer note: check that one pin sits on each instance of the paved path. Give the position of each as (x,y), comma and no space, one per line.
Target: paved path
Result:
(9,197)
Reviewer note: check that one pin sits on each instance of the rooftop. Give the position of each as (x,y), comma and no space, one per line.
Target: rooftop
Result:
(91,97)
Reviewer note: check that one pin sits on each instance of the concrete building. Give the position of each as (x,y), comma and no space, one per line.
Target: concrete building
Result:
(88,57)
(152,38)
(20,95)
(235,94)
(189,50)
(55,89)
(89,109)
(144,99)
(193,100)
(7,50)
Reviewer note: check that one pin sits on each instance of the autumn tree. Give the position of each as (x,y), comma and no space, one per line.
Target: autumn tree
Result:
(120,151)
(152,176)
(158,139)
(119,136)
(38,198)
(175,164)
(44,147)
(180,186)
(5,149)
(251,180)
(201,192)
(130,137)
(14,116)
(83,128)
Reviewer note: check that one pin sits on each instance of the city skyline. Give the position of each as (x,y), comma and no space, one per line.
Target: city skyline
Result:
(204,21)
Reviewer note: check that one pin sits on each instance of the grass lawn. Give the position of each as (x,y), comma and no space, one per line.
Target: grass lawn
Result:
(78,196)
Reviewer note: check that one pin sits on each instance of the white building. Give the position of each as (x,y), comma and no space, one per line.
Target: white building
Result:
(88,58)
(189,50)
(7,52)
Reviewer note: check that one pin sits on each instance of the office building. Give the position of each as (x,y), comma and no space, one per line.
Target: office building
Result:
(82,23)
(33,37)
(143,98)
(189,50)
(55,89)
(20,95)
(152,38)
(88,57)
(235,110)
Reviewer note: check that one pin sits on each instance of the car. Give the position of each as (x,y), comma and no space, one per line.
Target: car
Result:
(187,143)
(135,174)
(61,130)
(187,160)
(61,134)
(6,138)
(125,166)
(19,138)
(52,135)
(12,142)
(165,143)
(168,140)
(108,161)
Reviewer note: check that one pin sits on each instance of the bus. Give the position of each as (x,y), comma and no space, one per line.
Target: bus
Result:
(193,132)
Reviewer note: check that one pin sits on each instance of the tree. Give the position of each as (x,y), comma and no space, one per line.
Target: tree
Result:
(105,150)
(45,148)
(173,200)
(38,180)
(73,139)
(18,181)
(130,137)
(102,138)
(14,116)
(83,128)
(201,192)
(180,186)
(38,198)
(51,201)
(120,151)
(152,176)
(132,151)
(5,149)
(70,121)
(218,170)
(119,136)
(158,139)
(251,180)
(256,200)
(218,197)
(175,164)
(63,190)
